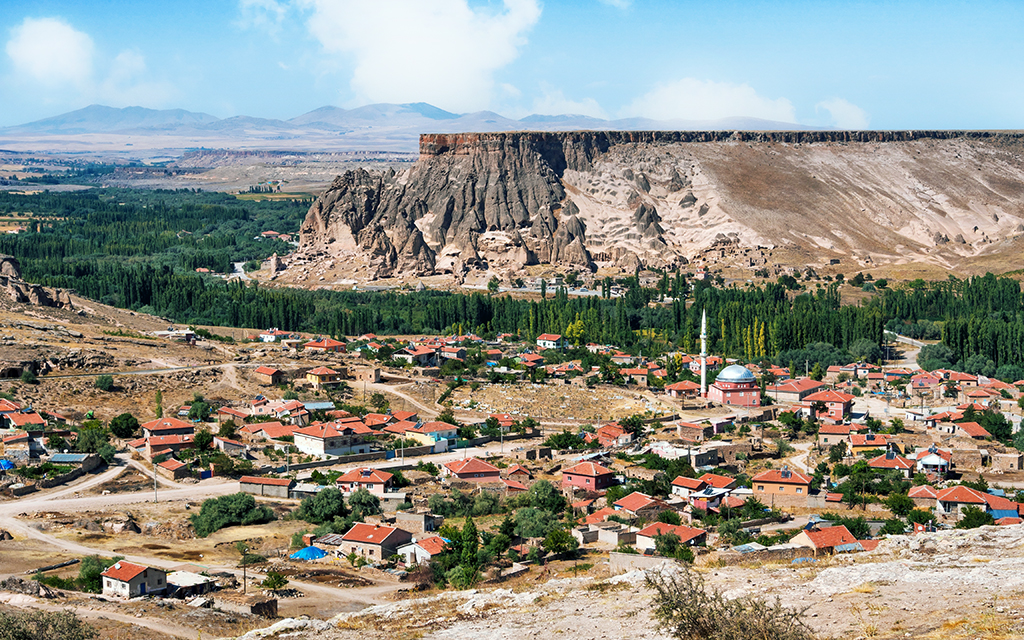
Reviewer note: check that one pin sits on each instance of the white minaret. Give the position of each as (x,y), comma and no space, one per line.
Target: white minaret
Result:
(704,354)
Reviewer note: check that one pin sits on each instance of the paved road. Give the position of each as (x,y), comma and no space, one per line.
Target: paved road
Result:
(149,372)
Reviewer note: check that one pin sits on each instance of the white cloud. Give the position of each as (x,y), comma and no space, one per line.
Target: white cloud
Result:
(51,52)
(554,102)
(443,52)
(265,15)
(845,115)
(57,64)
(693,99)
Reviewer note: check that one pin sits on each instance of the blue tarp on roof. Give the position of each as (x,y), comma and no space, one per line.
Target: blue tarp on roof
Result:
(309,553)
(1003,513)
(6,465)
(843,548)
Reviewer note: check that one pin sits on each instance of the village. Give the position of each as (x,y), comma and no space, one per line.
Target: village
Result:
(713,461)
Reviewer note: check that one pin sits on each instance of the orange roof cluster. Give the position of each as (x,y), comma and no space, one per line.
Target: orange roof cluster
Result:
(470,465)
(684,532)
(830,537)
(779,476)
(123,571)
(636,501)
(366,474)
(591,469)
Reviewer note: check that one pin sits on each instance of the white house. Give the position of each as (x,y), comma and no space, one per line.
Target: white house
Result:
(549,341)
(129,580)
(332,439)
(419,551)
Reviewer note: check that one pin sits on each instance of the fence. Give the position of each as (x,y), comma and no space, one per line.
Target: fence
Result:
(624,562)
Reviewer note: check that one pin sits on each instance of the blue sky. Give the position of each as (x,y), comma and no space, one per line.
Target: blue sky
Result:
(884,65)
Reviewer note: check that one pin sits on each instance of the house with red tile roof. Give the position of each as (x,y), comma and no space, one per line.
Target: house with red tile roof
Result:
(550,341)
(890,461)
(22,419)
(861,442)
(923,496)
(718,482)
(599,516)
(793,391)
(782,487)
(399,416)
(838,405)
(953,500)
(971,430)
(400,428)
(268,430)
(829,435)
(439,434)
(260,486)
(125,579)
(932,460)
(825,540)
(683,486)
(377,420)
(518,473)
(231,414)
(640,505)
(324,377)
(422,550)
(514,486)
(689,536)
(373,480)
(530,360)
(589,476)
(418,355)
(613,435)
(332,438)
(324,345)
(472,470)
(161,445)
(269,375)
(374,542)
(173,469)
(167,427)
(229,446)
(683,389)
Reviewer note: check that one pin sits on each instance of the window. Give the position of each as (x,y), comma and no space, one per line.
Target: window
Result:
(761,488)
(799,490)
(588,480)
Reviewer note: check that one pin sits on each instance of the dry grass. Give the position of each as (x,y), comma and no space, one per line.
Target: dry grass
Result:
(867,587)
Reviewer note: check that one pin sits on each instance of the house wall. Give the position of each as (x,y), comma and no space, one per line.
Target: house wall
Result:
(626,562)
(1007,461)
(272,490)
(587,482)
(782,495)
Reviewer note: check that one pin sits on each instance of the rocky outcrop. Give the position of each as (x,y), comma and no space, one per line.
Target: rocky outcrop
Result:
(634,199)
(27,293)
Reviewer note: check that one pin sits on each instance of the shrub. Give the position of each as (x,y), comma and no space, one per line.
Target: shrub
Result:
(228,511)
(104,383)
(686,608)
(29,377)
(124,425)
(274,581)
(45,625)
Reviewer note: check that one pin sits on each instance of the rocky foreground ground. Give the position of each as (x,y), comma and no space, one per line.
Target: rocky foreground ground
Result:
(948,584)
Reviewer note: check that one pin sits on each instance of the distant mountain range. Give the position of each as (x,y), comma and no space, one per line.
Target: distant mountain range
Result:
(376,126)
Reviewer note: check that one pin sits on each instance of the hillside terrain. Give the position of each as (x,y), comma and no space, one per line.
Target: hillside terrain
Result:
(619,201)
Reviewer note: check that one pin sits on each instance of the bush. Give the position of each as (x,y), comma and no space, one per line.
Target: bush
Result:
(104,383)
(124,425)
(274,581)
(323,507)
(89,572)
(228,511)
(974,517)
(29,377)
(44,625)
(686,608)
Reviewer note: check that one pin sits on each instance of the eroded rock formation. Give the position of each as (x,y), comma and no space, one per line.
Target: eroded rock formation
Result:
(27,293)
(635,199)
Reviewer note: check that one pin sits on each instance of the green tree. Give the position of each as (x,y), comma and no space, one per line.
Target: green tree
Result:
(227,430)
(107,452)
(227,511)
(669,517)
(323,506)
(559,541)
(202,439)
(533,523)
(104,382)
(894,527)
(379,401)
(158,402)
(89,570)
(90,439)
(470,539)
(29,377)
(920,516)
(363,503)
(544,495)
(492,285)
(124,425)
(200,411)
(900,504)
(274,581)
(972,517)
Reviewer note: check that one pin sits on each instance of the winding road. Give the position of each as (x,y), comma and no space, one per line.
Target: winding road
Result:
(72,498)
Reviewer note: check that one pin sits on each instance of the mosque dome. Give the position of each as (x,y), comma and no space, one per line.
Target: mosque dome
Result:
(735,374)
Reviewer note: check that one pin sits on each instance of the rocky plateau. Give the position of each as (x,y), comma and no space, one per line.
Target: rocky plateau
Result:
(627,200)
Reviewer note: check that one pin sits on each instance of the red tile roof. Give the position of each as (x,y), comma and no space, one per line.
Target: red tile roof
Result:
(470,465)
(962,494)
(830,537)
(517,468)
(403,415)
(870,439)
(123,571)
(684,532)
(896,462)
(167,423)
(433,427)
(325,343)
(171,464)
(277,482)
(775,475)
(267,371)
(636,501)
(400,427)
(829,396)
(514,485)
(599,516)
(22,419)
(694,484)
(322,371)
(924,491)
(716,481)
(591,469)
(837,429)
(685,385)
(1008,521)
(231,411)
(368,533)
(551,337)
(432,545)
(367,475)
(973,429)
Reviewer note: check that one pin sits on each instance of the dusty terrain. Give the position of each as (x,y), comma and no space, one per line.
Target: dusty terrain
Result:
(951,584)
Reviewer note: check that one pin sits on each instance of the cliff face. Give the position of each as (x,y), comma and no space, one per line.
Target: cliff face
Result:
(625,199)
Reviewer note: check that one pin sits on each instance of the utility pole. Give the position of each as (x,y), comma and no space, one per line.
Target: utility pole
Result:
(155,497)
